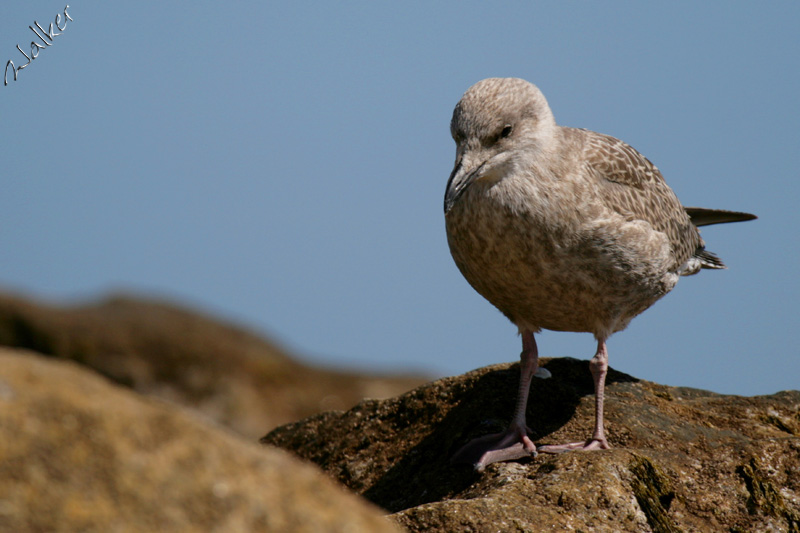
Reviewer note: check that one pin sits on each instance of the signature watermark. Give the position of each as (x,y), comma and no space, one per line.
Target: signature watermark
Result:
(46,37)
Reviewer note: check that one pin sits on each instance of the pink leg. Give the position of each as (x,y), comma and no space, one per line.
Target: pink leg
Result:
(599,367)
(514,442)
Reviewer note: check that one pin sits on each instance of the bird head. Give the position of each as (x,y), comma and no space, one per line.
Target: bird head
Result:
(494,120)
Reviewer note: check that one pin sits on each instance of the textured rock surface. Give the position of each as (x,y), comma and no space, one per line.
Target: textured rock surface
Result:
(683,459)
(80,454)
(230,375)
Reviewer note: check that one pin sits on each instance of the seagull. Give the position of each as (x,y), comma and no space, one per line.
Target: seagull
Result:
(562,229)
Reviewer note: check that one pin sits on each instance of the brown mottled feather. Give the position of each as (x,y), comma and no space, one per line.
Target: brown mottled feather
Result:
(633,187)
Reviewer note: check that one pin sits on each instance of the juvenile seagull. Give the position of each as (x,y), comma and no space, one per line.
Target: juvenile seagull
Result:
(562,229)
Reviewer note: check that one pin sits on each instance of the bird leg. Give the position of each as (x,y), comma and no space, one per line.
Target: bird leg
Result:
(514,442)
(599,367)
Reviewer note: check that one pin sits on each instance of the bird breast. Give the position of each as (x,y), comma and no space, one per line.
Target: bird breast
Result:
(548,254)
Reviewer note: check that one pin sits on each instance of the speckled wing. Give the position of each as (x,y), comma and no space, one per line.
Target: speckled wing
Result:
(632,186)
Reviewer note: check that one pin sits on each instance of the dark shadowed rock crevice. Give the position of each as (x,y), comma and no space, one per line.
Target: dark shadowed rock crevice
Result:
(682,459)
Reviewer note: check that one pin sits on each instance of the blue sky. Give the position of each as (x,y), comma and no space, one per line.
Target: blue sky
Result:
(283,166)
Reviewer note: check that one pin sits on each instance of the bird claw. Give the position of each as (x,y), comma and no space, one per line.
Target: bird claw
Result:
(585,446)
(497,447)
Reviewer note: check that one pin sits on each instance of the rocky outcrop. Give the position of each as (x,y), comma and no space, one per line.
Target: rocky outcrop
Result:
(232,376)
(78,453)
(682,459)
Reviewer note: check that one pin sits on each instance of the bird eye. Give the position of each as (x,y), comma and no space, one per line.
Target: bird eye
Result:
(506,131)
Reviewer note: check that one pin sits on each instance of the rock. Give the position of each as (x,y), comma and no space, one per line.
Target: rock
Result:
(80,454)
(230,375)
(682,459)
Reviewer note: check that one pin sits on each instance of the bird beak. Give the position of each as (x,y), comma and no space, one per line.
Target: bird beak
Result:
(460,179)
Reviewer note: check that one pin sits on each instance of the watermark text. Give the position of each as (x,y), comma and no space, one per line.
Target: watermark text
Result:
(45,36)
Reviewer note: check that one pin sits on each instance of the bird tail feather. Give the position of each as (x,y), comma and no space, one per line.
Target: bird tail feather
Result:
(704,217)
(709,260)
